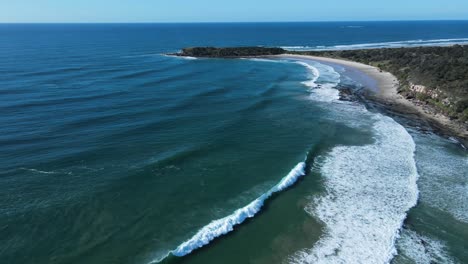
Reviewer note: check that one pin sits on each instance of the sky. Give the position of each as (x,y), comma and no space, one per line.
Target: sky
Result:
(133,11)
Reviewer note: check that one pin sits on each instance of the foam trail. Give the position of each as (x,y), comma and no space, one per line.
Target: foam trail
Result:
(323,82)
(369,189)
(39,171)
(392,44)
(225,225)
(421,249)
(179,57)
(315,74)
(188,58)
(265,60)
(353,27)
(443,176)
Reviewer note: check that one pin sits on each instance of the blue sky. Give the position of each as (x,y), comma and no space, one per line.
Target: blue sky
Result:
(228,10)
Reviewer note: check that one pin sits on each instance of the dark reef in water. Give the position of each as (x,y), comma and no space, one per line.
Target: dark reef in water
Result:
(234,52)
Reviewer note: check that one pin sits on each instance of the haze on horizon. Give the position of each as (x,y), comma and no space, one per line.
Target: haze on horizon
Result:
(107,11)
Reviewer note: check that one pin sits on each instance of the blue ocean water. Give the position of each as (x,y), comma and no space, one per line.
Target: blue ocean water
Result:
(112,152)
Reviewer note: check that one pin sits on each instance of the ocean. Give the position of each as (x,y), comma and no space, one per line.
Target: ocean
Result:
(113,152)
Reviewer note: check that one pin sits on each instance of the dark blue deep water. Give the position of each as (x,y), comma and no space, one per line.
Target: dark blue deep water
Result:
(112,152)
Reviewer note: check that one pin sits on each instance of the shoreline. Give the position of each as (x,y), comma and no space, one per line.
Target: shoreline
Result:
(383,89)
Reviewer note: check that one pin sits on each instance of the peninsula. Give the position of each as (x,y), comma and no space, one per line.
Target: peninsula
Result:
(429,81)
(231,52)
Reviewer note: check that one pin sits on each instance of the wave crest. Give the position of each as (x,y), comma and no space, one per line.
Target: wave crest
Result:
(323,82)
(225,225)
(369,189)
(391,44)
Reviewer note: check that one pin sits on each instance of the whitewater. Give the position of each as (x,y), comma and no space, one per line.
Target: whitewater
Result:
(114,152)
(390,44)
(225,225)
(369,188)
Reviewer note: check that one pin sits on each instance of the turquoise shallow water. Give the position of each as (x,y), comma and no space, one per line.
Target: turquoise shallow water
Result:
(114,153)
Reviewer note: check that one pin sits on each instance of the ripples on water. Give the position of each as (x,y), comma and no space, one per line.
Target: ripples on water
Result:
(112,152)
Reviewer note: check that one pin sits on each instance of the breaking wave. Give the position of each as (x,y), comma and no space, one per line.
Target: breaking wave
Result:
(369,189)
(225,225)
(323,81)
(392,44)
(419,249)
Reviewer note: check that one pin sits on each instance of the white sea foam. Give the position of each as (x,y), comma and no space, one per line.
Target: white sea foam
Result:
(188,58)
(178,57)
(225,225)
(323,79)
(264,60)
(421,249)
(369,189)
(219,227)
(295,47)
(315,74)
(392,44)
(39,171)
(323,82)
(456,141)
(353,26)
(444,177)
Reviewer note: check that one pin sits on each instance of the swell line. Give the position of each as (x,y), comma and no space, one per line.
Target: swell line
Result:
(390,44)
(225,225)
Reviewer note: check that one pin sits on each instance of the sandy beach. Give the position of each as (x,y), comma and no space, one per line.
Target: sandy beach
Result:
(383,88)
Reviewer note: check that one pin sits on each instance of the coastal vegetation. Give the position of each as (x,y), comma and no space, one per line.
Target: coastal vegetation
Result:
(433,76)
(436,77)
(229,52)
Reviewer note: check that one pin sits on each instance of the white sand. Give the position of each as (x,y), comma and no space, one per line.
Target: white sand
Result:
(387,92)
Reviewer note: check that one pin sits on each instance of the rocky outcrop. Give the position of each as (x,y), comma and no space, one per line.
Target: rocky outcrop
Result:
(435,94)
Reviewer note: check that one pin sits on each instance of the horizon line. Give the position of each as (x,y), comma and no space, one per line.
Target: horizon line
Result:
(240,22)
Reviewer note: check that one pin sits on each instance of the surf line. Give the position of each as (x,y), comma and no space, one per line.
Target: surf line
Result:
(225,225)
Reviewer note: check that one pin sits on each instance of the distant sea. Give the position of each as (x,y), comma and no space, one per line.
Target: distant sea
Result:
(112,152)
